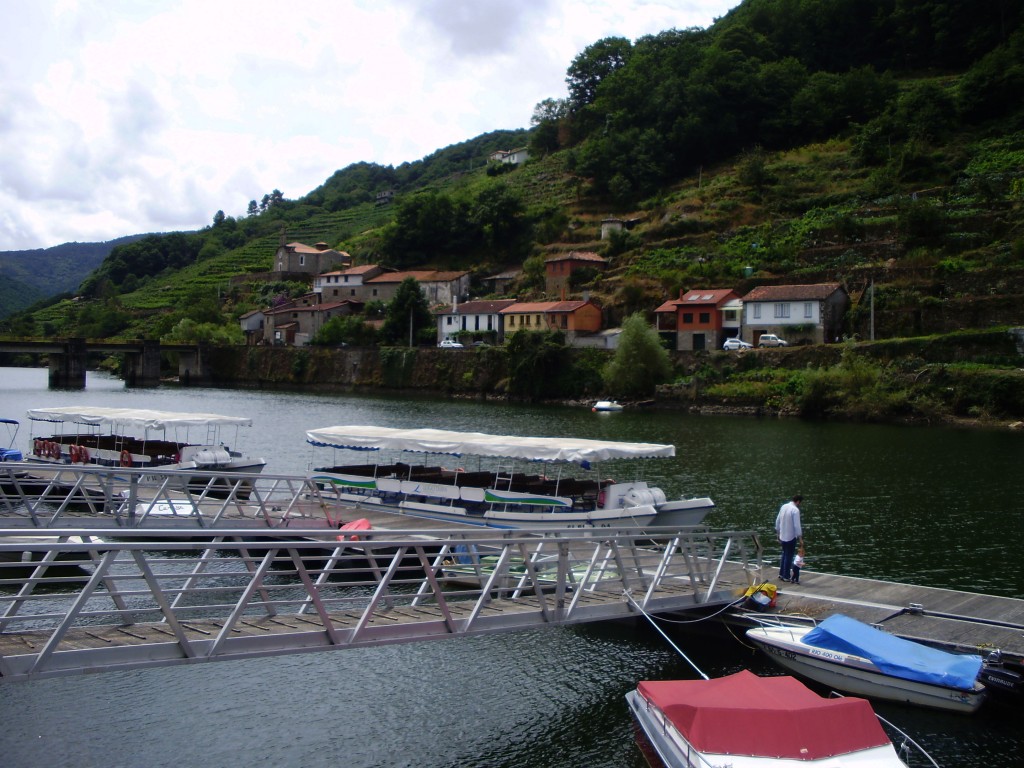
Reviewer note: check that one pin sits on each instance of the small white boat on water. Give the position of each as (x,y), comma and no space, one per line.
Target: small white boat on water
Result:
(853,657)
(606,406)
(495,493)
(136,437)
(746,721)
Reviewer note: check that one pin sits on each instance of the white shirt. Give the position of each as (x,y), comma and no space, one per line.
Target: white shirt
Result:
(787,523)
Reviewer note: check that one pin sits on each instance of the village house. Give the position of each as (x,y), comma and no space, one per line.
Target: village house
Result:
(574,318)
(481,318)
(559,269)
(344,283)
(295,324)
(501,282)
(252,326)
(510,156)
(437,287)
(810,314)
(700,319)
(295,258)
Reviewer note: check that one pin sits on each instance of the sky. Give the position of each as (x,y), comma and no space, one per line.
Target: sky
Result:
(120,117)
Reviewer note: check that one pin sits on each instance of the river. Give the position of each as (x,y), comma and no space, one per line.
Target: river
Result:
(936,506)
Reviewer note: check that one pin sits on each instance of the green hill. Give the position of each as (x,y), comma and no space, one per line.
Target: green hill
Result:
(875,142)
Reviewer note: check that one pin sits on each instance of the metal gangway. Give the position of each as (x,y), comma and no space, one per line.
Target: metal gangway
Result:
(85,602)
(37,495)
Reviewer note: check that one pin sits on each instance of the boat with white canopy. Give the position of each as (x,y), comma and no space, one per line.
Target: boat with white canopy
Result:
(137,437)
(496,492)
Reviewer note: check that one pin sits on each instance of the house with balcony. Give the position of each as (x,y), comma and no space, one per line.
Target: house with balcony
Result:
(559,269)
(801,314)
(481,318)
(700,319)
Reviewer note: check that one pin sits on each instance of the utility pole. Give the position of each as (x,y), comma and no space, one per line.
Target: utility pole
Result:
(410,325)
(872,289)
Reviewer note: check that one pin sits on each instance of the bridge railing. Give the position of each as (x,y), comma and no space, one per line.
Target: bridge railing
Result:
(74,599)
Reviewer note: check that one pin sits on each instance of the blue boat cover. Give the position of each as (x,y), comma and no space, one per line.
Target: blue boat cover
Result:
(894,655)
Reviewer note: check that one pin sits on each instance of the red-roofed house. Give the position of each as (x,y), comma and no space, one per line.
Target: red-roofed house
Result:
(438,287)
(558,269)
(480,317)
(798,313)
(573,317)
(700,319)
(292,324)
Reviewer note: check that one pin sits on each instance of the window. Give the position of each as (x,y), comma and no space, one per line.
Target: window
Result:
(730,314)
(527,319)
(302,261)
(448,320)
(705,317)
(782,309)
(808,309)
(687,317)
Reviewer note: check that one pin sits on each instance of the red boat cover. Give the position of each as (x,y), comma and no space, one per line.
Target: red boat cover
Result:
(779,717)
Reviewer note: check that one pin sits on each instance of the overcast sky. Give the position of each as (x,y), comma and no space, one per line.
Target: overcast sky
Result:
(125,116)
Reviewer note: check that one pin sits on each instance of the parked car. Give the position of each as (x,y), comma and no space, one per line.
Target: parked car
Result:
(771,340)
(736,343)
(450,344)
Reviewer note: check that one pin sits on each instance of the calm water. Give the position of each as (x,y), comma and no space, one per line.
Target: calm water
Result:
(929,506)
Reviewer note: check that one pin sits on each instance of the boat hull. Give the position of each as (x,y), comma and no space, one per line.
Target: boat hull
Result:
(858,676)
(684,512)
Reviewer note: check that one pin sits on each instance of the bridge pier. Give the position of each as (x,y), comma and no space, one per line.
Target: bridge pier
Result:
(142,369)
(67,367)
(192,367)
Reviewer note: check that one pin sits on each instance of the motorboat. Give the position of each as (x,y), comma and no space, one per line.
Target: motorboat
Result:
(135,437)
(746,721)
(10,453)
(496,492)
(606,406)
(854,657)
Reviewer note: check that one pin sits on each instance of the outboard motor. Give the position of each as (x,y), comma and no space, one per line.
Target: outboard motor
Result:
(638,496)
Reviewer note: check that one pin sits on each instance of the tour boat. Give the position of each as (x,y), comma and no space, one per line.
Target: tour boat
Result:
(746,721)
(853,657)
(606,406)
(494,493)
(135,437)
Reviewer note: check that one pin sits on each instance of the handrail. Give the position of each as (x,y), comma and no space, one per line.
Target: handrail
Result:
(82,600)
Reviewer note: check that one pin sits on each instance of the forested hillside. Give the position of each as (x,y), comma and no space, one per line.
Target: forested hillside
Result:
(854,140)
(33,275)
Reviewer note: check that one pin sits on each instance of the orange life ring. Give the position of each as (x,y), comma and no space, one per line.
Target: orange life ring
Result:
(126,458)
(54,450)
(73,452)
(83,454)
(37,446)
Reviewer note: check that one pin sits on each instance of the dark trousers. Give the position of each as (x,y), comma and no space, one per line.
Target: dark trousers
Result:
(788,553)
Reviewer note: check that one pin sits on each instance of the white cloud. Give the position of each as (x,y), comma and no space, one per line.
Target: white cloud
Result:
(124,116)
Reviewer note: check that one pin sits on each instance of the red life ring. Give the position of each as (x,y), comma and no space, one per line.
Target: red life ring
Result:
(54,450)
(83,454)
(73,452)
(126,458)
(37,446)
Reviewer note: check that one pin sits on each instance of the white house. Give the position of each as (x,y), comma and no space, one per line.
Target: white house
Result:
(798,313)
(474,316)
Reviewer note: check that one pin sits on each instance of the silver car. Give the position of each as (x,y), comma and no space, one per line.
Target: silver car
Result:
(735,343)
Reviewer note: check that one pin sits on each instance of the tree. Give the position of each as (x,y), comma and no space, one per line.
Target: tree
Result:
(253,209)
(593,65)
(640,362)
(407,310)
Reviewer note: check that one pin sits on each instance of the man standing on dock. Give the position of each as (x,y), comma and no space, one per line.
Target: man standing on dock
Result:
(787,526)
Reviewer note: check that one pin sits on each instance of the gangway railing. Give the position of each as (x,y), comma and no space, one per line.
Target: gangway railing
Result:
(74,600)
(40,495)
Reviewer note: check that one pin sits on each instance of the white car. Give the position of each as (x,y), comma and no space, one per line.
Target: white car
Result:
(450,344)
(736,343)
(771,340)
